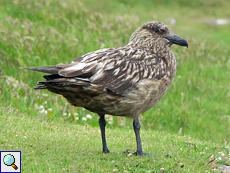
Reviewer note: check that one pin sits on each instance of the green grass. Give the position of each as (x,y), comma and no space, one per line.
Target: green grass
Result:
(48,32)
(68,147)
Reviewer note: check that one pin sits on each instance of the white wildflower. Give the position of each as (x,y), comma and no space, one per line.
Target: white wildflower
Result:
(221,153)
(84,118)
(41,107)
(89,116)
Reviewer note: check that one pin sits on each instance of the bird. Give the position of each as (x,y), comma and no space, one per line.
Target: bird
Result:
(124,81)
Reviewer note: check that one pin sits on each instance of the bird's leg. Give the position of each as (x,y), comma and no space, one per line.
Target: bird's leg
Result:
(102,124)
(136,127)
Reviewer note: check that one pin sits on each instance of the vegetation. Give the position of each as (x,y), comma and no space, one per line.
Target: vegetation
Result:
(68,147)
(191,123)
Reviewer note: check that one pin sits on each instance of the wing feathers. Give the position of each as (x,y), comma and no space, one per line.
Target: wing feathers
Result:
(72,70)
(46,69)
(116,69)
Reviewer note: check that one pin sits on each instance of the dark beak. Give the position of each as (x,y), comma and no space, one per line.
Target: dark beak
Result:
(174,39)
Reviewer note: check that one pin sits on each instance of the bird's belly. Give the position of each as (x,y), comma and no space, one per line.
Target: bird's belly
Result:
(136,101)
(147,95)
(131,104)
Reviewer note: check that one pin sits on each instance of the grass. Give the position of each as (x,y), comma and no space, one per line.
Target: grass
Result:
(68,147)
(47,32)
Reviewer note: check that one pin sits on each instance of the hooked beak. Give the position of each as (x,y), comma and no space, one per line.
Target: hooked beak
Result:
(174,39)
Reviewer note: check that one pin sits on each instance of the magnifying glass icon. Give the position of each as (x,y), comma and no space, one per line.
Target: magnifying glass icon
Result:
(9,160)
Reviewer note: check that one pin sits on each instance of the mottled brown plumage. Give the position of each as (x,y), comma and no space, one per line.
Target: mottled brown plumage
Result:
(124,81)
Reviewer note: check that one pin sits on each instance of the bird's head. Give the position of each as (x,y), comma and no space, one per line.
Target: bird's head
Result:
(155,33)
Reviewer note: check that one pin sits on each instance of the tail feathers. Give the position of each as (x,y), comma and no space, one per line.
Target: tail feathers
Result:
(45,69)
(38,87)
(52,76)
(61,82)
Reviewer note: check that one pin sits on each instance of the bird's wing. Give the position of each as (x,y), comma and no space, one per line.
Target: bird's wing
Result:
(117,69)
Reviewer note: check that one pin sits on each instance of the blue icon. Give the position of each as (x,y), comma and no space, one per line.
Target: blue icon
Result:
(9,160)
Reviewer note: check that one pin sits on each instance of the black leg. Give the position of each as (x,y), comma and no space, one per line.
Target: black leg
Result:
(102,124)
(137,126)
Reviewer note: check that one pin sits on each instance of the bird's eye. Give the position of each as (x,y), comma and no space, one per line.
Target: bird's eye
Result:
(157,30)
